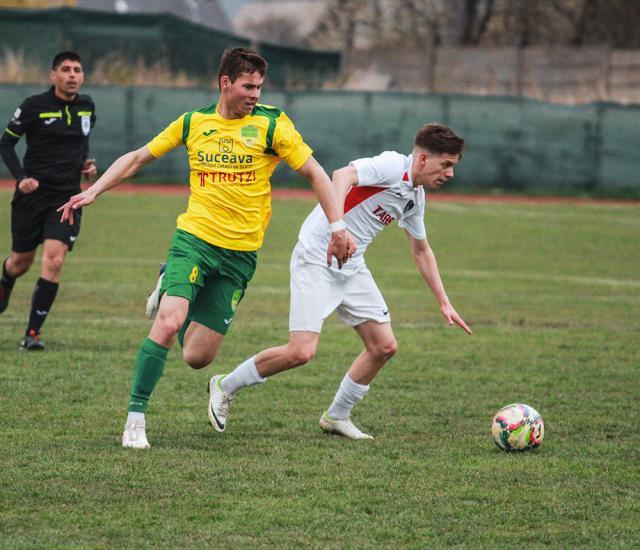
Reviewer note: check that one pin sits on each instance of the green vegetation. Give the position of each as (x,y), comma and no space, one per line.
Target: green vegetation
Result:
(552,292)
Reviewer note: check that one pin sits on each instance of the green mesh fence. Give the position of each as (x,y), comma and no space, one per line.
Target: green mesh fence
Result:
(186,47)
(512,143)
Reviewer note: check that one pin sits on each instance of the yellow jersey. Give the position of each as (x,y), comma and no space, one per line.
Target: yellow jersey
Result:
(231,162)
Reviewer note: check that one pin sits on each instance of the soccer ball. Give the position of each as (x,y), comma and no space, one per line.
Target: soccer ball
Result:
(517,427)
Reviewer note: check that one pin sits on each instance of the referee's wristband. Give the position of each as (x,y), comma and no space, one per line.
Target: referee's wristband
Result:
(337,226)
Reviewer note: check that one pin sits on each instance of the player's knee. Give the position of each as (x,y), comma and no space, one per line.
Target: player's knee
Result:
(301,355)
(168,324)
(387,349)
(19,266)
(196,360)
(53,264)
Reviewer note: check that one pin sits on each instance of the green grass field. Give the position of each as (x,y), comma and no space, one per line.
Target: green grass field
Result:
(551,291)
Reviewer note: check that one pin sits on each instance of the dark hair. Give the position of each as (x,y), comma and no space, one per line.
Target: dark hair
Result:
(235,61)
(439,139)
(64,56)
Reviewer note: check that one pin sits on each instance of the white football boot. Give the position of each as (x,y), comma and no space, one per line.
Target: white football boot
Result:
(134,436)
(219,403)
(153,301)
(342,427)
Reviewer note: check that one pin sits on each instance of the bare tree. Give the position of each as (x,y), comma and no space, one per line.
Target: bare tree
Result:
(348,24)
(476,15)
(343,21)
(555,22)
(372,23)
(419,23)
(278,29)
(611,22)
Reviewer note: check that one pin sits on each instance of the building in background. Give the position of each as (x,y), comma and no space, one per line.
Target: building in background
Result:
(209,13)
(37,4)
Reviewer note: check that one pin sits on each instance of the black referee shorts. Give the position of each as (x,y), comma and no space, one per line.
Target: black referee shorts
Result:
(34,219)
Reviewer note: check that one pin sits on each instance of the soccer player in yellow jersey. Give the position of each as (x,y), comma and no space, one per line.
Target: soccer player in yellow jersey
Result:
(233,148)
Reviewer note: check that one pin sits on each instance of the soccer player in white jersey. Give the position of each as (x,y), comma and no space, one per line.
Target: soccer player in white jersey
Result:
(374,191)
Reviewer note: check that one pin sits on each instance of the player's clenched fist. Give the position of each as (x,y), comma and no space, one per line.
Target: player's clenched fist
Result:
(89,169)
(342,245)
(28,185)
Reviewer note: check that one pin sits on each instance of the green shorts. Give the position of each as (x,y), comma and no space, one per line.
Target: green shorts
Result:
(213,279)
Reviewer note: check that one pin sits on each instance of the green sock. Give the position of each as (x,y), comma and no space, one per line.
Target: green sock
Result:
(148,370)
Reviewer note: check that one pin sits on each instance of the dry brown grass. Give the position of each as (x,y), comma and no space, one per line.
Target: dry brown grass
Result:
(115,69)
(15,68)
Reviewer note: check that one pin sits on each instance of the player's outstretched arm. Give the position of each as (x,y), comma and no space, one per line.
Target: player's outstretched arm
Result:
(124,167)
(427,265)
(341,244)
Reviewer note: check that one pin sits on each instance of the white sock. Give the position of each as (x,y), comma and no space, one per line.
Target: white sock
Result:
(348,396)
(243,375)
(135,417)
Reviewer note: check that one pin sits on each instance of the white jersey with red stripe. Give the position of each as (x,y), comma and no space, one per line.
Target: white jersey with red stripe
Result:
(384,193)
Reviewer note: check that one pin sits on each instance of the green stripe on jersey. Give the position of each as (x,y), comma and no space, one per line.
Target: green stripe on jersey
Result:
(272,113)
(186,123)
(12,133)
(85,113)
(57,114)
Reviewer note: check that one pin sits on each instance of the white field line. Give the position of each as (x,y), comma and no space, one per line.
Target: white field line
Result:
(397,291)
(471,274)
(480,274)
(606,281)
(598,213)
(556,218)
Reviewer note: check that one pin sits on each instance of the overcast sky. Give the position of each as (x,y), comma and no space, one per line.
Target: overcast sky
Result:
(232,6)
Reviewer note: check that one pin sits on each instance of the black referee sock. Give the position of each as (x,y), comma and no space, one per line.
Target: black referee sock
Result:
(43,297)
(7,280)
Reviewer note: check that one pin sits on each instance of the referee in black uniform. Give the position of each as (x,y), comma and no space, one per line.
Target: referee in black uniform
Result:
(57,124)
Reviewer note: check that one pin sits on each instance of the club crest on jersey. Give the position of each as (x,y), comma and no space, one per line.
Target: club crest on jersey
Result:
(86,124)
(249,134)
(225,145)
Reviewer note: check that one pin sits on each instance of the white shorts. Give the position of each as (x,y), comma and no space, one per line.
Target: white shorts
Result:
(317,291)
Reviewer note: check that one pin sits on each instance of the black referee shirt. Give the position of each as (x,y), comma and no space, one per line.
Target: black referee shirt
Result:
(57,139)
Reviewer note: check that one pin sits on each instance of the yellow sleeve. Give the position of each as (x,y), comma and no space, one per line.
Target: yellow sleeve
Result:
(288,143)
(168,139)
